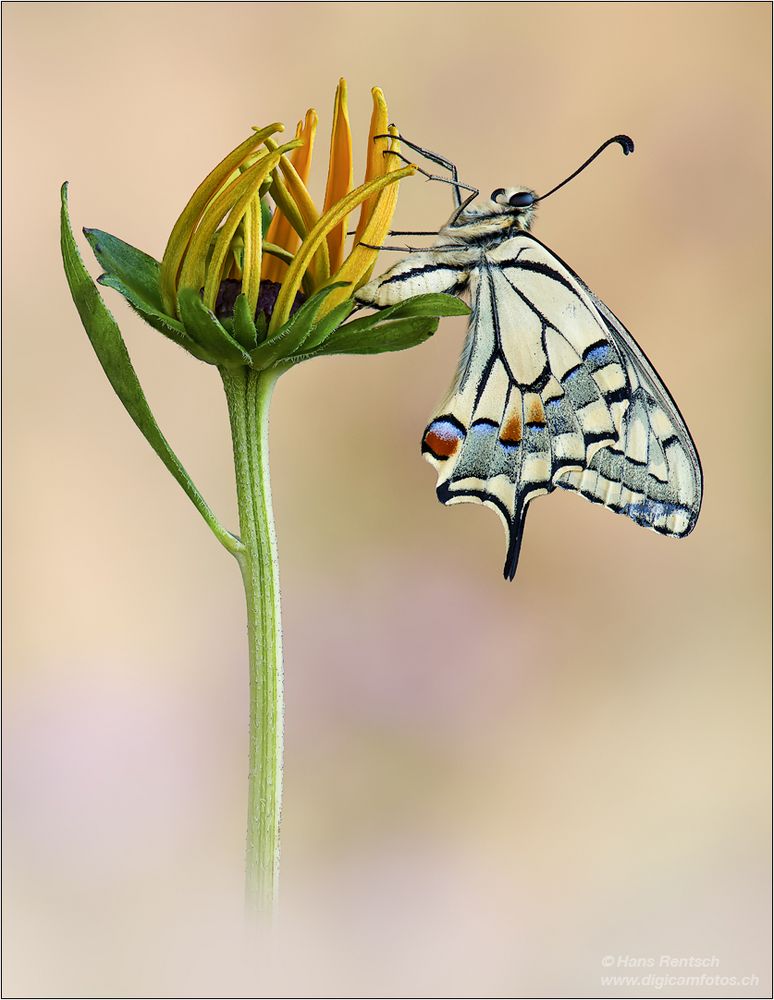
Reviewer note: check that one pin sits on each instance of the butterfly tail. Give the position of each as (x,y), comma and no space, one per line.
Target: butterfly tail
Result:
(514,543)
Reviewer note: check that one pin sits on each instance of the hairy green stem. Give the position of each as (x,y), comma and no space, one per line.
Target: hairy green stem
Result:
(249,395)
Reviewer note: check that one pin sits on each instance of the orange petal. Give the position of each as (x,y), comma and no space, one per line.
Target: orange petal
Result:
(339,172)
(280,232)
(328,221)
(357,268)
(291,195)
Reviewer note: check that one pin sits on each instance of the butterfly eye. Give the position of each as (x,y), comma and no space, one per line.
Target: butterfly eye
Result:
(496,194)
(521,200)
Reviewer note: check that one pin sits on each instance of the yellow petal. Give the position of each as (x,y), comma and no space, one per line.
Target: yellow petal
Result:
(310,245)
(185,225)
(280,232)
(339,172)
(376,163)
(237,194)
(248,185)
(253,251)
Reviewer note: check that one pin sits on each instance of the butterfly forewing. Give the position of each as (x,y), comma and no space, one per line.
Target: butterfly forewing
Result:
(421,272)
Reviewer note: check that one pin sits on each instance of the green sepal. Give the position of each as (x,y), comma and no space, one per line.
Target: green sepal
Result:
(390,335)
(135,275)
(243,324)
(202,326)
(322,330)
(109,346)
(394,328)
(436,304)
(266,214)
(134,269)
(171,328)
(286,341)
(261,327)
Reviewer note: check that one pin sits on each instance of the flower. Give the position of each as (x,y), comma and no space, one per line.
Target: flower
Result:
(254,290)
(255,275)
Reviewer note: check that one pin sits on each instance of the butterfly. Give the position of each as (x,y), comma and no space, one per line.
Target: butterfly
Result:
(551,390)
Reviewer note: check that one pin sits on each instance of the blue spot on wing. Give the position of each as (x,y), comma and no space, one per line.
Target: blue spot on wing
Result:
(446,429)
(601,355)
(648,512)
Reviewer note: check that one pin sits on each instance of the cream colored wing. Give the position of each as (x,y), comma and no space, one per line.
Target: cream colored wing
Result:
(551,391)
(421,272)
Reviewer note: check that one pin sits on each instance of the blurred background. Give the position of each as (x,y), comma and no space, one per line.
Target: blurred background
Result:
(489,788)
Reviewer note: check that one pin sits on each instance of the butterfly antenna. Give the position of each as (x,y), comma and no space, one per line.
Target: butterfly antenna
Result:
(626,144)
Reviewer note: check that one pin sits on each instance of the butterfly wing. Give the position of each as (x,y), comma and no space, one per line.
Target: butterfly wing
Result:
(651,473)
(488,441)
(551,391)
(419,273)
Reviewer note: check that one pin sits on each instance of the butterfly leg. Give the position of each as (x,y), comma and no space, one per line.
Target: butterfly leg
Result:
(404,249)
(435,177)
(461,205)
(408,249)
(453,181)
(402,232)
(434,158)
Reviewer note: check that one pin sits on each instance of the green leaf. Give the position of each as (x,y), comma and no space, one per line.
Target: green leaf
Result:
(111,351)
(244,325)
(158,320)
(393,335)
(200,324)
(134,269)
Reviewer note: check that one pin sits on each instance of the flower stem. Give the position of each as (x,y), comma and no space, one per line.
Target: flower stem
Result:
(248,394)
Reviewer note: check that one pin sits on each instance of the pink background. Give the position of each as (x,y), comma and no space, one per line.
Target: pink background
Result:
(489,787)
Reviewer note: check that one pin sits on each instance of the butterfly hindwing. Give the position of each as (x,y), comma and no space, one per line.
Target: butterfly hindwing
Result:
(489,440)
(652,474)
(536,391)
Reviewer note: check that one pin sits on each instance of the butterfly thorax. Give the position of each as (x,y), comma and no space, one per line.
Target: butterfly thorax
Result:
(488,222)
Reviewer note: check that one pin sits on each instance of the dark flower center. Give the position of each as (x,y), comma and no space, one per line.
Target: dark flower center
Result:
(268,293)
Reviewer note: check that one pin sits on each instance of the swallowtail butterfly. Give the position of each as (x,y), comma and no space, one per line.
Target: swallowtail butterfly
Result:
(551,389)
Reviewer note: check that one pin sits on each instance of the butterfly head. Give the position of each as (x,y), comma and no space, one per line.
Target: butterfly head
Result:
(518,203)
(506,209)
